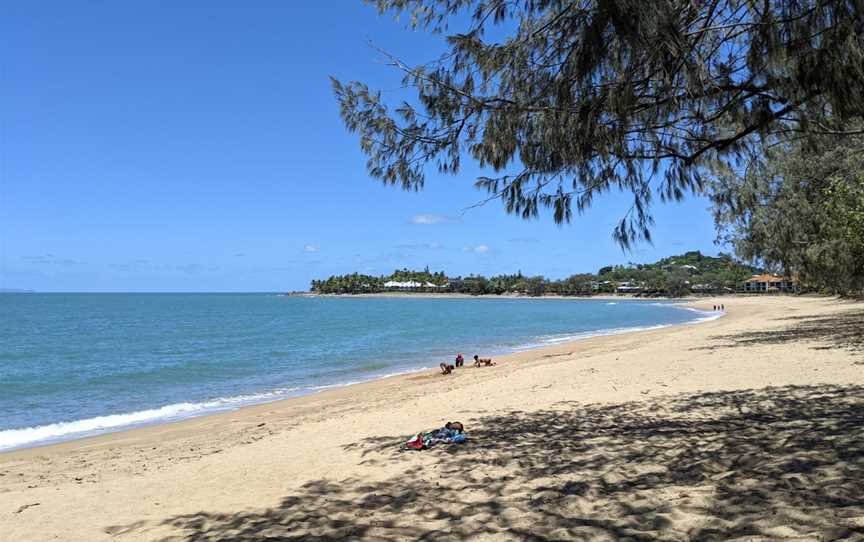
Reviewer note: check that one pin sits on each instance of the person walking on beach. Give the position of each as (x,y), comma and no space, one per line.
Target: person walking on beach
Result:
(460,361)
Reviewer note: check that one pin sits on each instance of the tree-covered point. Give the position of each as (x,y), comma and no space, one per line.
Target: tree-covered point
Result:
(356,283)
(565,100)
(674,276)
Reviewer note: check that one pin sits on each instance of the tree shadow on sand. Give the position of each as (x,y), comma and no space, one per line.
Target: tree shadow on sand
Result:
(778,463)
(844,330)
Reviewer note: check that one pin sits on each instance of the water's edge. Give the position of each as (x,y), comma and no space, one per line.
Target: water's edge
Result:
(29,437)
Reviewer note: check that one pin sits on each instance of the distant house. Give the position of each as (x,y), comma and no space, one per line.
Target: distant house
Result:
(628,287)
(767,283)
(675,265)
(430,285)
(410,285)
(407,285)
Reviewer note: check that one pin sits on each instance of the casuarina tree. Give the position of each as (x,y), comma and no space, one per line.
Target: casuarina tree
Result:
(564,100)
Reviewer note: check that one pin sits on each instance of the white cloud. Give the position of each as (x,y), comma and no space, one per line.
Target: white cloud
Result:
(425,219)
(477,249)
(310,248)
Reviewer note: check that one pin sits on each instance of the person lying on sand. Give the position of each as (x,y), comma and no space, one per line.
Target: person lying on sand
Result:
(446,369)
(482,362)
(451,433)
(455,426)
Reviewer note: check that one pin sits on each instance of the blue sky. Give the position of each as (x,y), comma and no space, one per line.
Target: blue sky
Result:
(196,146)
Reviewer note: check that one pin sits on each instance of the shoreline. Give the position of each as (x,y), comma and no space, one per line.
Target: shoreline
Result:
(691,298)
(455,295)
(222,405)
(658,433)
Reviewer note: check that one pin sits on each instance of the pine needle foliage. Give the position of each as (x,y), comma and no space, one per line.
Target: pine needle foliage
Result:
(800,210)
(587,96)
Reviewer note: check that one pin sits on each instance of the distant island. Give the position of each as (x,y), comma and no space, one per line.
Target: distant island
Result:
(675,276)
(16,291)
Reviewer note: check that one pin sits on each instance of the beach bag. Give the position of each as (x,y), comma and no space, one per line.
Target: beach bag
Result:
(415,443)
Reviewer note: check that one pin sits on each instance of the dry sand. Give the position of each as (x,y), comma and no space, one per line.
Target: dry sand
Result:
(748,427)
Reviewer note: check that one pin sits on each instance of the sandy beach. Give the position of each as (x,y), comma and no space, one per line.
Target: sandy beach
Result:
(749,427)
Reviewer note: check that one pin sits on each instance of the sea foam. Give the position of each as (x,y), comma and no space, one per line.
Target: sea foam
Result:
(16,438)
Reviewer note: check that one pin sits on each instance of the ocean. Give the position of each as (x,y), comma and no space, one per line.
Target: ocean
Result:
(74,365)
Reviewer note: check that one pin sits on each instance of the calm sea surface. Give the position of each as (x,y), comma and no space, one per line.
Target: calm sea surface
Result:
(78,364)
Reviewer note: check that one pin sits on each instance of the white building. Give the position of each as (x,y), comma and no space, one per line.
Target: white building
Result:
(410,285)
(407,285)
(629,287)
(770,283)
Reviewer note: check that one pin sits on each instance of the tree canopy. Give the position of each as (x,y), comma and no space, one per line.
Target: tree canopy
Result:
(675,276)
(585,96)
(800,210)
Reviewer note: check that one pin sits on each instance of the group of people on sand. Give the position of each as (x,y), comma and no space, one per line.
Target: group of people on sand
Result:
(719,307)
(447,368)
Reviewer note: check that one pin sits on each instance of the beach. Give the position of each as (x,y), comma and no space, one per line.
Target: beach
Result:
(745,427)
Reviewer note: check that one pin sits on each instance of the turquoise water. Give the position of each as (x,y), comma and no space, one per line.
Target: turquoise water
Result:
(78,364)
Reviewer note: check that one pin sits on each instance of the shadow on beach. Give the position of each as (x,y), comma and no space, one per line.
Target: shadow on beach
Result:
(844,330)
(776,463)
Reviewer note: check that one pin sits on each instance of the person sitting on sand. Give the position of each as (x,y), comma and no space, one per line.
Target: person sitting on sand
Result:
(460,361)
(446,369)
(482,362)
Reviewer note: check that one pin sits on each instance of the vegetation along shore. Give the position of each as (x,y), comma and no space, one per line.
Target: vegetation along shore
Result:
(675,276)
